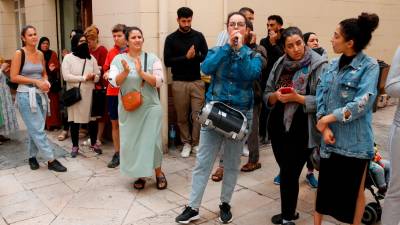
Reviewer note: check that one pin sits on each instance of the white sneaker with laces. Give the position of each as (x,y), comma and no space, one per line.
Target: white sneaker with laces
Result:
(245,151)
(195,149)
(187,148)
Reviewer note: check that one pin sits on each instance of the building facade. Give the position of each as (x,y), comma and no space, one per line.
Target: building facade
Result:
(157,18)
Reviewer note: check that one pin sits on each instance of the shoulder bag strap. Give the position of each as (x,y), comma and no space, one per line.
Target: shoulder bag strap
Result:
(83,70)
(22,60)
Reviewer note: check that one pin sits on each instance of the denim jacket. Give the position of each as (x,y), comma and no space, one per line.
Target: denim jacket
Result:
(353,89)
(232,75)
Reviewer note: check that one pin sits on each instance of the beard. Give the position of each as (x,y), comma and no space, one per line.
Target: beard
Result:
(185,29)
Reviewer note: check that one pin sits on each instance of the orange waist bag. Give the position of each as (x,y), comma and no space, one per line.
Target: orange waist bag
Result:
(134,99)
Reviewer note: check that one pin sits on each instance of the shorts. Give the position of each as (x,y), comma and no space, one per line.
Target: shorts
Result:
(112,107)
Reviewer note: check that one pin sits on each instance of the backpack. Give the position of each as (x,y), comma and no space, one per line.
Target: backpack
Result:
(13,85)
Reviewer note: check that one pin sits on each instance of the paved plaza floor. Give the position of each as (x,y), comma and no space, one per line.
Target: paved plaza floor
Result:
(92,194)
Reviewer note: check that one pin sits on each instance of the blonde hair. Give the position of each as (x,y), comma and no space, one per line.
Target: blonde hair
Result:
(92,33)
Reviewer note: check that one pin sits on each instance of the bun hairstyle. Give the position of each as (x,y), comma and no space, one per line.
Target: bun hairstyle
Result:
(359,29)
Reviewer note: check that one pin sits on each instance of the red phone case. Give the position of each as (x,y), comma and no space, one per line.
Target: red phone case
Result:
(286,90)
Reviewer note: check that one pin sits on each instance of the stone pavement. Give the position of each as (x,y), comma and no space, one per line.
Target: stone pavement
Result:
(92,194)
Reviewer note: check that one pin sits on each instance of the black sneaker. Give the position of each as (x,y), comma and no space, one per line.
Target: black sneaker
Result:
(56,166)
(225,215)
(114,161)
(277,219)
(187,215)
(33,163)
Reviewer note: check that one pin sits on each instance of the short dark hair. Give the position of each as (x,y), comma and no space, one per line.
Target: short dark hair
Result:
(184,12)
(118,28)
(235,13)
(359,29)
(290,31)
(277,18)
(130,29)
(246,9)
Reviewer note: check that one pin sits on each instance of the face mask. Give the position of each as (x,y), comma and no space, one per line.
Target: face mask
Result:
(82,51)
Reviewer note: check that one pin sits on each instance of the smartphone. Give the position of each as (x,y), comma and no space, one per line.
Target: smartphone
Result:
(286,90)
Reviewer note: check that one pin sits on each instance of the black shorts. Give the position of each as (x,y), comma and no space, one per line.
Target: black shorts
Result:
(112,102)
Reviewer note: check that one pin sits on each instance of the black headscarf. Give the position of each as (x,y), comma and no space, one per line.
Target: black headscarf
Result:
(82,50)
(47,54)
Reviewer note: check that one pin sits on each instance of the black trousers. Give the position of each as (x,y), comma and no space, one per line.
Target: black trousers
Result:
(93,127)
(291,153)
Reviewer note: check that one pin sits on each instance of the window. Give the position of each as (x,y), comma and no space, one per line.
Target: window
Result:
(20,19)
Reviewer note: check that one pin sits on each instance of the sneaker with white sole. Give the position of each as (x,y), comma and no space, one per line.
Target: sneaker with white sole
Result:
(225,215)
(187,148)
(187,215)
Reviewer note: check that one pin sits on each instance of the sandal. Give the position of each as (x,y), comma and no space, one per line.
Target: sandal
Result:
(218,174)
(161,182)
(248,167)
(139,184)
(63,135)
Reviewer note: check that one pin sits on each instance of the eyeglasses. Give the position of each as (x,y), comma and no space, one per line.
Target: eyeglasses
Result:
(239,24)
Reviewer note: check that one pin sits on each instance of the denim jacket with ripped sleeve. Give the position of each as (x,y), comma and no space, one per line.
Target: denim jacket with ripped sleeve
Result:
(351,89)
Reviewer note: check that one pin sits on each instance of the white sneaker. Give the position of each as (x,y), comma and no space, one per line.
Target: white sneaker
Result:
(187,148)
(245,151)
(195,149)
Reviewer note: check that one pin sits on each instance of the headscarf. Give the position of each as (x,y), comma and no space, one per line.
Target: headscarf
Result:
(82,50)
(302,69)
(47,54)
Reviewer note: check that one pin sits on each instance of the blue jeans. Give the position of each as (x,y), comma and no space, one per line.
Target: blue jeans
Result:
(381,174)
(210,143)
(34,122)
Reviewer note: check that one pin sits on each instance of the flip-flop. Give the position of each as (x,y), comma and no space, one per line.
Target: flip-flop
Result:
(161,182)
(218,175)
(248,167)
(139,184)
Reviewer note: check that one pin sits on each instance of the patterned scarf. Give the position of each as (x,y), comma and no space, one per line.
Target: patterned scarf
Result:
(302,70)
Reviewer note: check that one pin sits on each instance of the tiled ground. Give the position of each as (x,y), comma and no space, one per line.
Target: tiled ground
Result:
(92,194)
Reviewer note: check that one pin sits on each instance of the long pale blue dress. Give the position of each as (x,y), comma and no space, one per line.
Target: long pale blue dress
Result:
(140,130)
(7,108)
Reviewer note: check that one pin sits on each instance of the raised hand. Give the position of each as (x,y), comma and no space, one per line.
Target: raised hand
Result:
(191,53)
(125,65)
(236,39)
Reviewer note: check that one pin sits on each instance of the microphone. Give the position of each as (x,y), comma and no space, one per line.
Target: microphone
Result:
(235,40)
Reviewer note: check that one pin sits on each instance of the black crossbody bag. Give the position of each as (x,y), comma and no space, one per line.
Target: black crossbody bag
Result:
(73,95)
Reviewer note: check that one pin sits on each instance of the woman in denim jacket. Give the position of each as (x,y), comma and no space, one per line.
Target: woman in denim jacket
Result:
(233,68)
(290,92)
(391,214)
(345,97)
